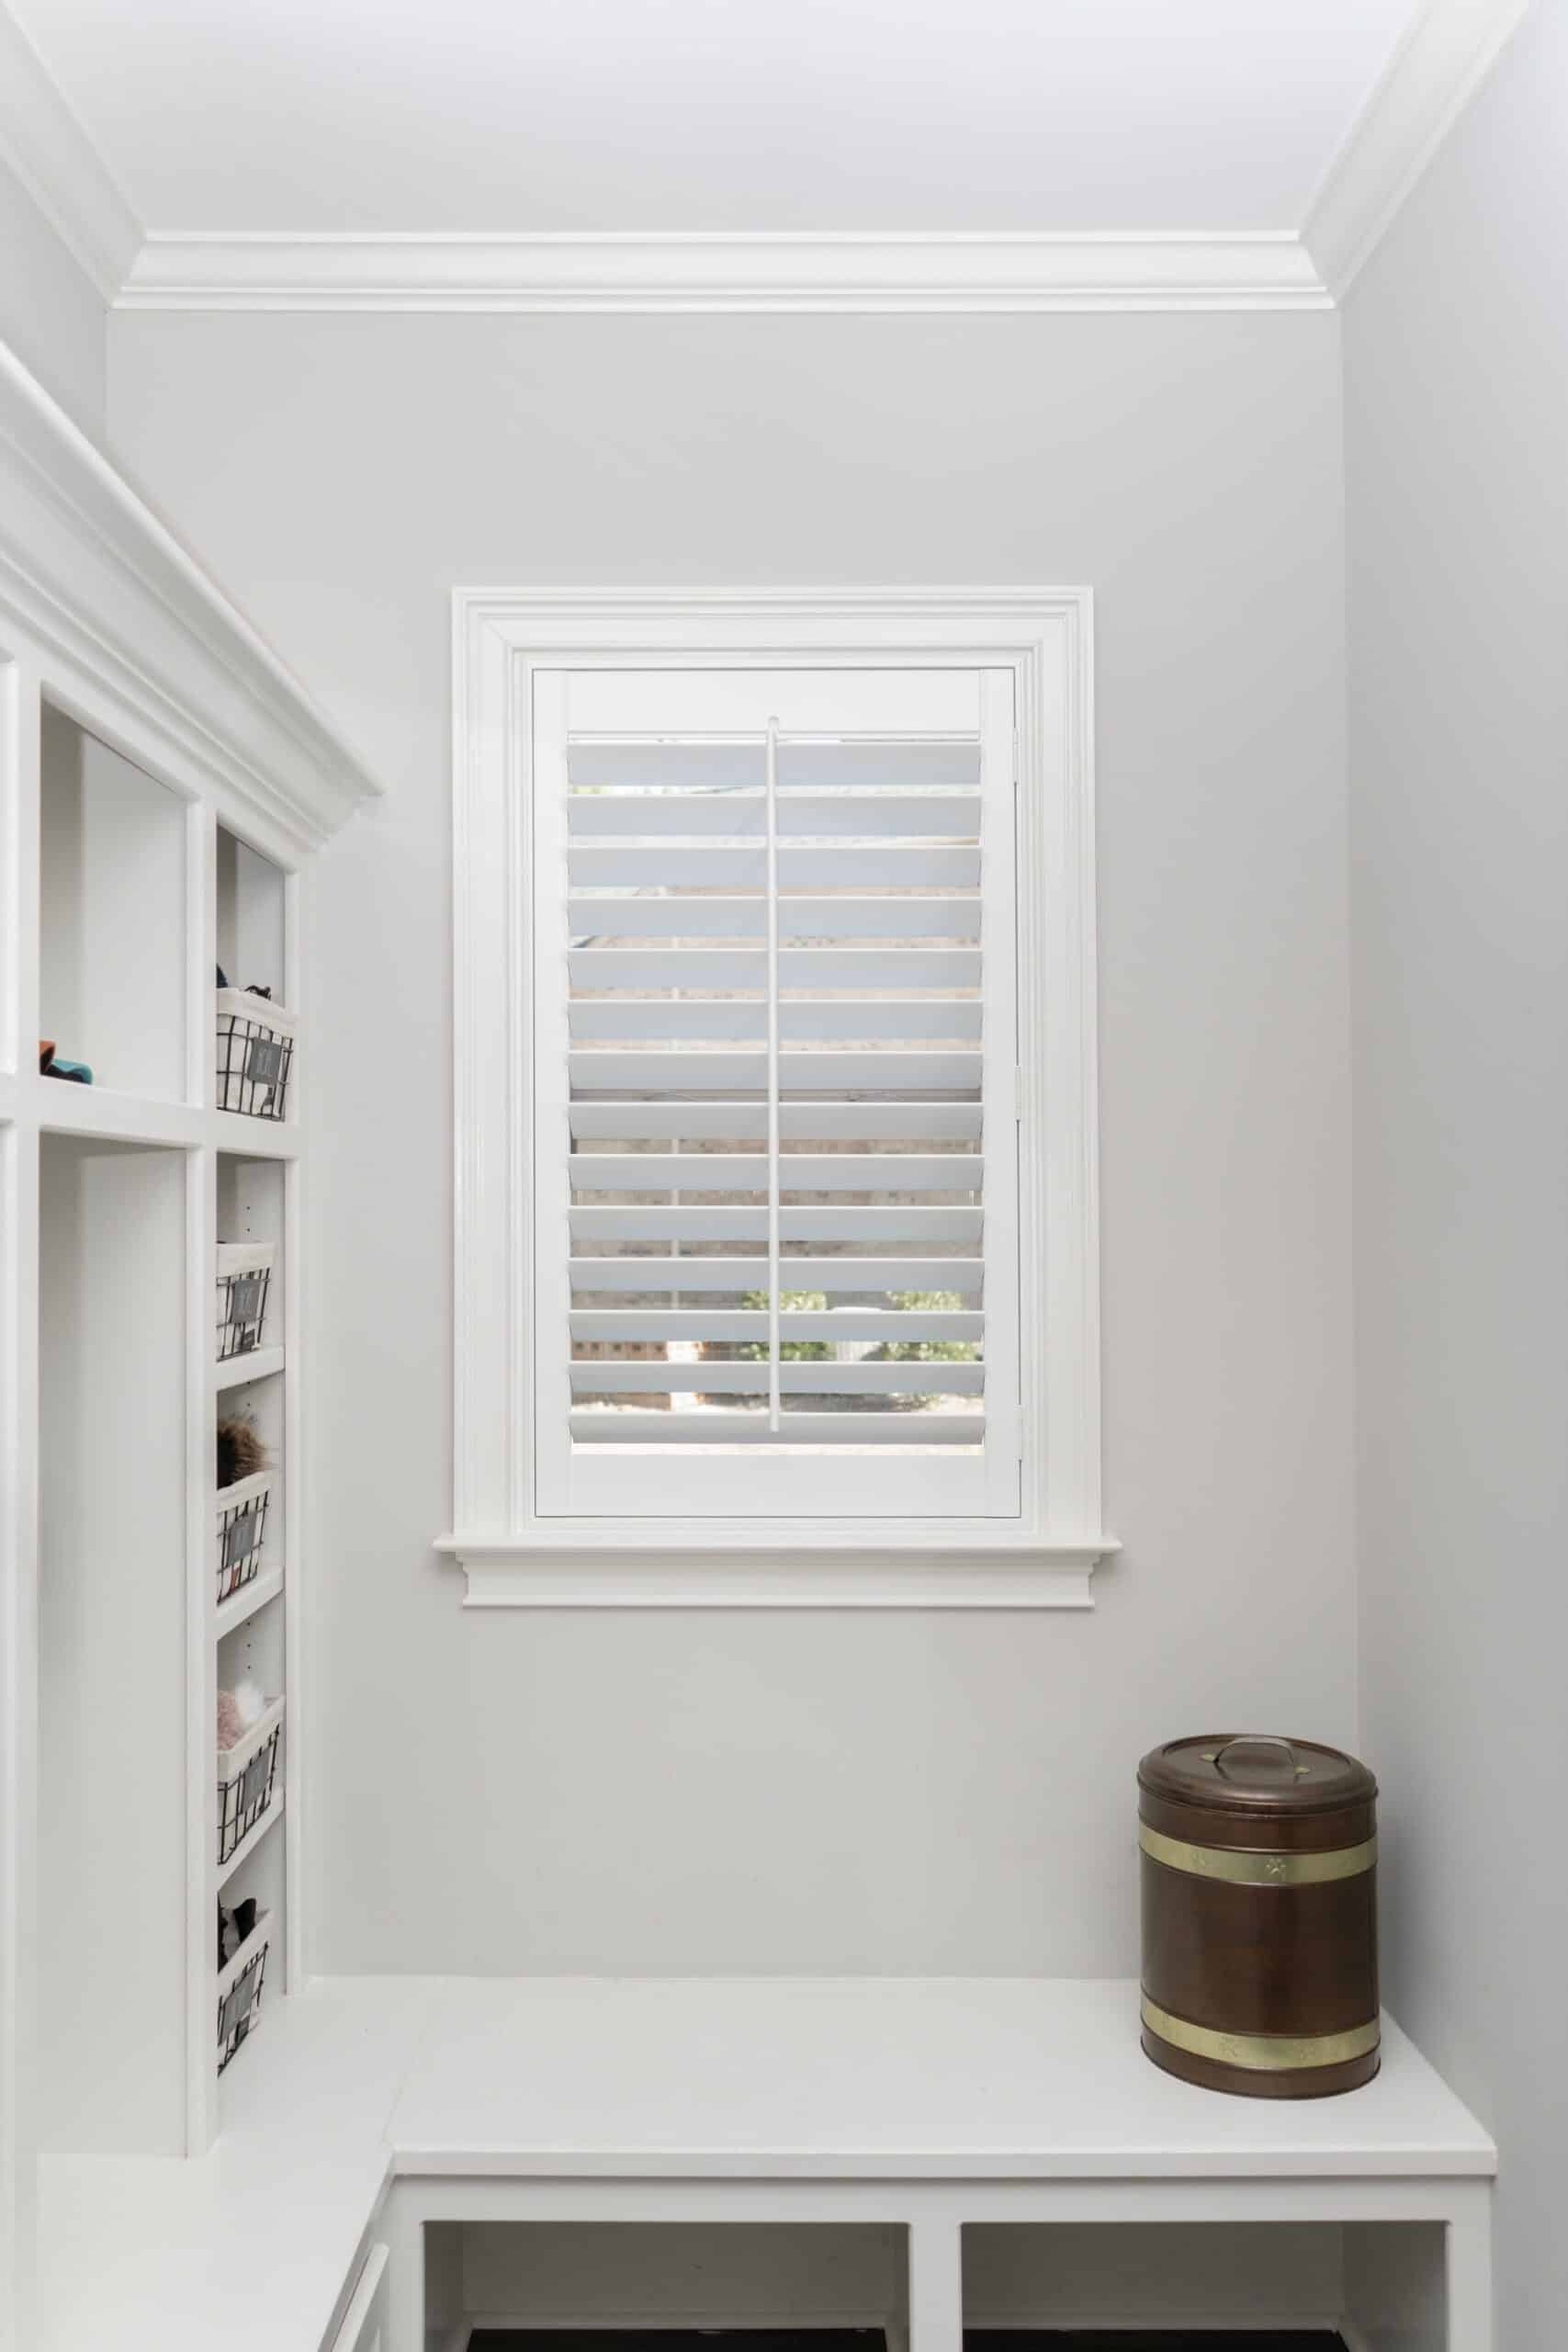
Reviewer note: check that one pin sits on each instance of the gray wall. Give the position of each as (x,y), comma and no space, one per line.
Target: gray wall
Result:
(819,1792)
(1455,396)
(50,313)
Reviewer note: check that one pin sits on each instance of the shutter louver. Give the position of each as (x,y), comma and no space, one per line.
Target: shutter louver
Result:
(772,1138)
(880,1159)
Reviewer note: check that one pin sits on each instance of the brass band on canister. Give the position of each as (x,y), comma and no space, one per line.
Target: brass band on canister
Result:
(1237,1866)
(1272,2053)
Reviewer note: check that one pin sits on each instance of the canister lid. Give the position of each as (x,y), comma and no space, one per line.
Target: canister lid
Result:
(1256,1772)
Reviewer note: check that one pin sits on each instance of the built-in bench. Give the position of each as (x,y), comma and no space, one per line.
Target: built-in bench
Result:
(931,2153)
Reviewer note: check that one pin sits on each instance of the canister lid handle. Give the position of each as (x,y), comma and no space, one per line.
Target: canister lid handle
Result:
(1258,1739)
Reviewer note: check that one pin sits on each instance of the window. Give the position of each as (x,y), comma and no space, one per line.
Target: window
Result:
(776,1267)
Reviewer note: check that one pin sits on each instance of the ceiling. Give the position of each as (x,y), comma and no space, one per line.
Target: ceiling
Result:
(546,116)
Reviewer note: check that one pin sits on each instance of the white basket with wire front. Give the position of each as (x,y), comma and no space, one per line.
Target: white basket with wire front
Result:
(247,1777)
(242,1532)
(244,1279)
(240,1991)
(255,1054)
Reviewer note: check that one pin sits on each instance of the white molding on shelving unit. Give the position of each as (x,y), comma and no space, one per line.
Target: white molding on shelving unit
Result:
(654,271)
(106,589)
(1438,68)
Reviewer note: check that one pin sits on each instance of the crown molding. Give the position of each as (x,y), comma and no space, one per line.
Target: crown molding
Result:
(1432,76)
(1436,71)
(44,144)
(130,624)
(723,272)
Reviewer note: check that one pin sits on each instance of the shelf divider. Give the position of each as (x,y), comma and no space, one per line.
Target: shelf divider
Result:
(247,1602)
(261,1363)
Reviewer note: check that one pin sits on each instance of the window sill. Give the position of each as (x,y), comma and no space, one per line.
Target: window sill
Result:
(604,1571)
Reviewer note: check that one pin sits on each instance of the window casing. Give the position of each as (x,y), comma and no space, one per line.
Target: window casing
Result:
(794,905)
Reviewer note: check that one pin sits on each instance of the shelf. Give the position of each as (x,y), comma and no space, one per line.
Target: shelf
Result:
(63,1109)
(250,1841)
(245,1604)
(260,1364)
(246,1138)
(57,1107)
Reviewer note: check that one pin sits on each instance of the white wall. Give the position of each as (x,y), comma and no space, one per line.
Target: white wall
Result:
(646,1793)
(1455,396)
(50,313)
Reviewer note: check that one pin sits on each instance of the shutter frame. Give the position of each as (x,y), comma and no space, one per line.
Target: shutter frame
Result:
(515,1555)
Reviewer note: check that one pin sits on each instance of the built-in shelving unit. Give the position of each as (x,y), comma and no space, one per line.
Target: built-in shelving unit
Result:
(162,783)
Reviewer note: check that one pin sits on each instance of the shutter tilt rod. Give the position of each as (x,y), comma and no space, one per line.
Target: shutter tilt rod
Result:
(773,769)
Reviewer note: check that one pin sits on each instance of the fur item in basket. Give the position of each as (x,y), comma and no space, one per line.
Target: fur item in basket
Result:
(240,1452)
(234,1927)
(238,1711)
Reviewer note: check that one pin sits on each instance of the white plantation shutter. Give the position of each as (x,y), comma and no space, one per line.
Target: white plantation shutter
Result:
(775,1194)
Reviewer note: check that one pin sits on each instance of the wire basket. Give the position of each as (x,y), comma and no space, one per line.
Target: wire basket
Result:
(240,1991)
(255,1054)
(246,1775)
(242,1532)
(245,1278)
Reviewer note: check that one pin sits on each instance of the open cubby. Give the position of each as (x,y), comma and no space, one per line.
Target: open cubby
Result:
(1027,2286)
(250,1210)
(1023,2281)
(113,889)
(112,1616)
(252,939)
(686,2277)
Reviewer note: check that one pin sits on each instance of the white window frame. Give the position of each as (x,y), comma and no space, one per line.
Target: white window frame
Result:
(511,1556)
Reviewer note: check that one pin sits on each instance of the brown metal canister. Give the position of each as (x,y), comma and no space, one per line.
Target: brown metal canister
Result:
(1259,1890)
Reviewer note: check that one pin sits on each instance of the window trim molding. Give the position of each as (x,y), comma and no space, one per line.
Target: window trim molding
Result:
(512,1559)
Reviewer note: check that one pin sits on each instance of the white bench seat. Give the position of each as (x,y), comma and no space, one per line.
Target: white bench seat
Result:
(925,2104)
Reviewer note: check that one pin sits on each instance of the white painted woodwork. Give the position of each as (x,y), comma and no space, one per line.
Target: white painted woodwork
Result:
(299,2170)
(365,2322)
(933,2078)
(1371,108)
(55,159)
(1445,58)
(112,1777)
(507,2121)
(144,723)
(835,659)
(112,981)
